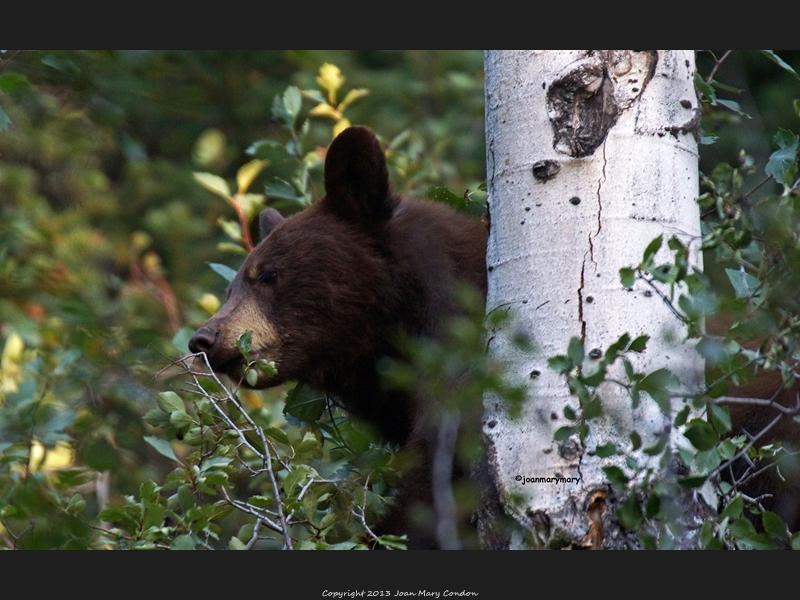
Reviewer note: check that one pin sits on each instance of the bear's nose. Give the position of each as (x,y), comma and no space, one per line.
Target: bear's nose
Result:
(203,340)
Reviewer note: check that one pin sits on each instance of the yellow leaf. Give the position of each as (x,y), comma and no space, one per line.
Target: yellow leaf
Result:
(330,78)
(209,303)
(251,204)
(62,455)
(340,127)
(312,159)
(324,110)
(214,184)
(209,149)
(13,349)
(247,173)
(351,97)
(10,371)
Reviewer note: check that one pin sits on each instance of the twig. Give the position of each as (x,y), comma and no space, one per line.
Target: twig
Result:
(717,66)
(6,62)
(661,295)
(744,450)
(266,456)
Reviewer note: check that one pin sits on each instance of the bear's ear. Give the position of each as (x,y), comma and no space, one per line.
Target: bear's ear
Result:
(356,178)
(268,220)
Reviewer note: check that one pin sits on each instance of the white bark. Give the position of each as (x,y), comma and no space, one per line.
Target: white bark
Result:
(555,249)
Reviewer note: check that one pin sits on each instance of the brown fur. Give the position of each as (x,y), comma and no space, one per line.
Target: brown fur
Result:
(779,493)
(327,291)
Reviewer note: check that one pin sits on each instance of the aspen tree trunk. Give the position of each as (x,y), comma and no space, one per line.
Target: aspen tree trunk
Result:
(590,156)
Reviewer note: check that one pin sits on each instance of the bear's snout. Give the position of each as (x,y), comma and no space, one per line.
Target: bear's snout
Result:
(204,340)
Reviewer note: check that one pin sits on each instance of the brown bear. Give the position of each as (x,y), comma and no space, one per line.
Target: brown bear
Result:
(327,291)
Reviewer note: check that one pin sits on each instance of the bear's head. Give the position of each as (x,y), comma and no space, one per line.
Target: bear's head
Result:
(320,291)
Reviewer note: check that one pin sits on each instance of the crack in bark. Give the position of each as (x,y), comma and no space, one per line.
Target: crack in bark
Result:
(590,252)
(580,302)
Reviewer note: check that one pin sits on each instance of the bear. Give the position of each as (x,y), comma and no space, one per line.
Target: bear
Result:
(328,292)
(777,489)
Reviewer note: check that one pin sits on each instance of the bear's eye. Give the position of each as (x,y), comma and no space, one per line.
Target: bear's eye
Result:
(266,277)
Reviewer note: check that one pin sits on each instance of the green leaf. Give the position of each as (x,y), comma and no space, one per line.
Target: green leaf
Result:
(214,183)
(720,418)
(223,270)
(727,88)
(266,367)
(796,540)
(186,499)
(770,54)
(270,150)
(592,409)
(636,440)
(596,377)
(616,476)
(236,544)
(652,506)
(649,252)
(278,188)
(286,107)
(170,402)
(616,348)
(181,419)
(64,65)
(707,460)
(563,433)
(701,434)
(657,385)
(299,475)
(292,100)
(442,194)
(627,277)
(245,343)
(231,228)
(606,450)
(682,416)
(774,526)
(707,537)
(397,542)
(692,481)
(734,508)
(182,542)
(639,344)
(309,443)
(304,404)
(163,447)
(560,364)
(157,418)
(704,87)
(732,105)
(251,376)
(727,449)
(114,515)
(575,351)
(657,447)
(784,158)
(279,435)
(630,513)
(12,83)
(261,501)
